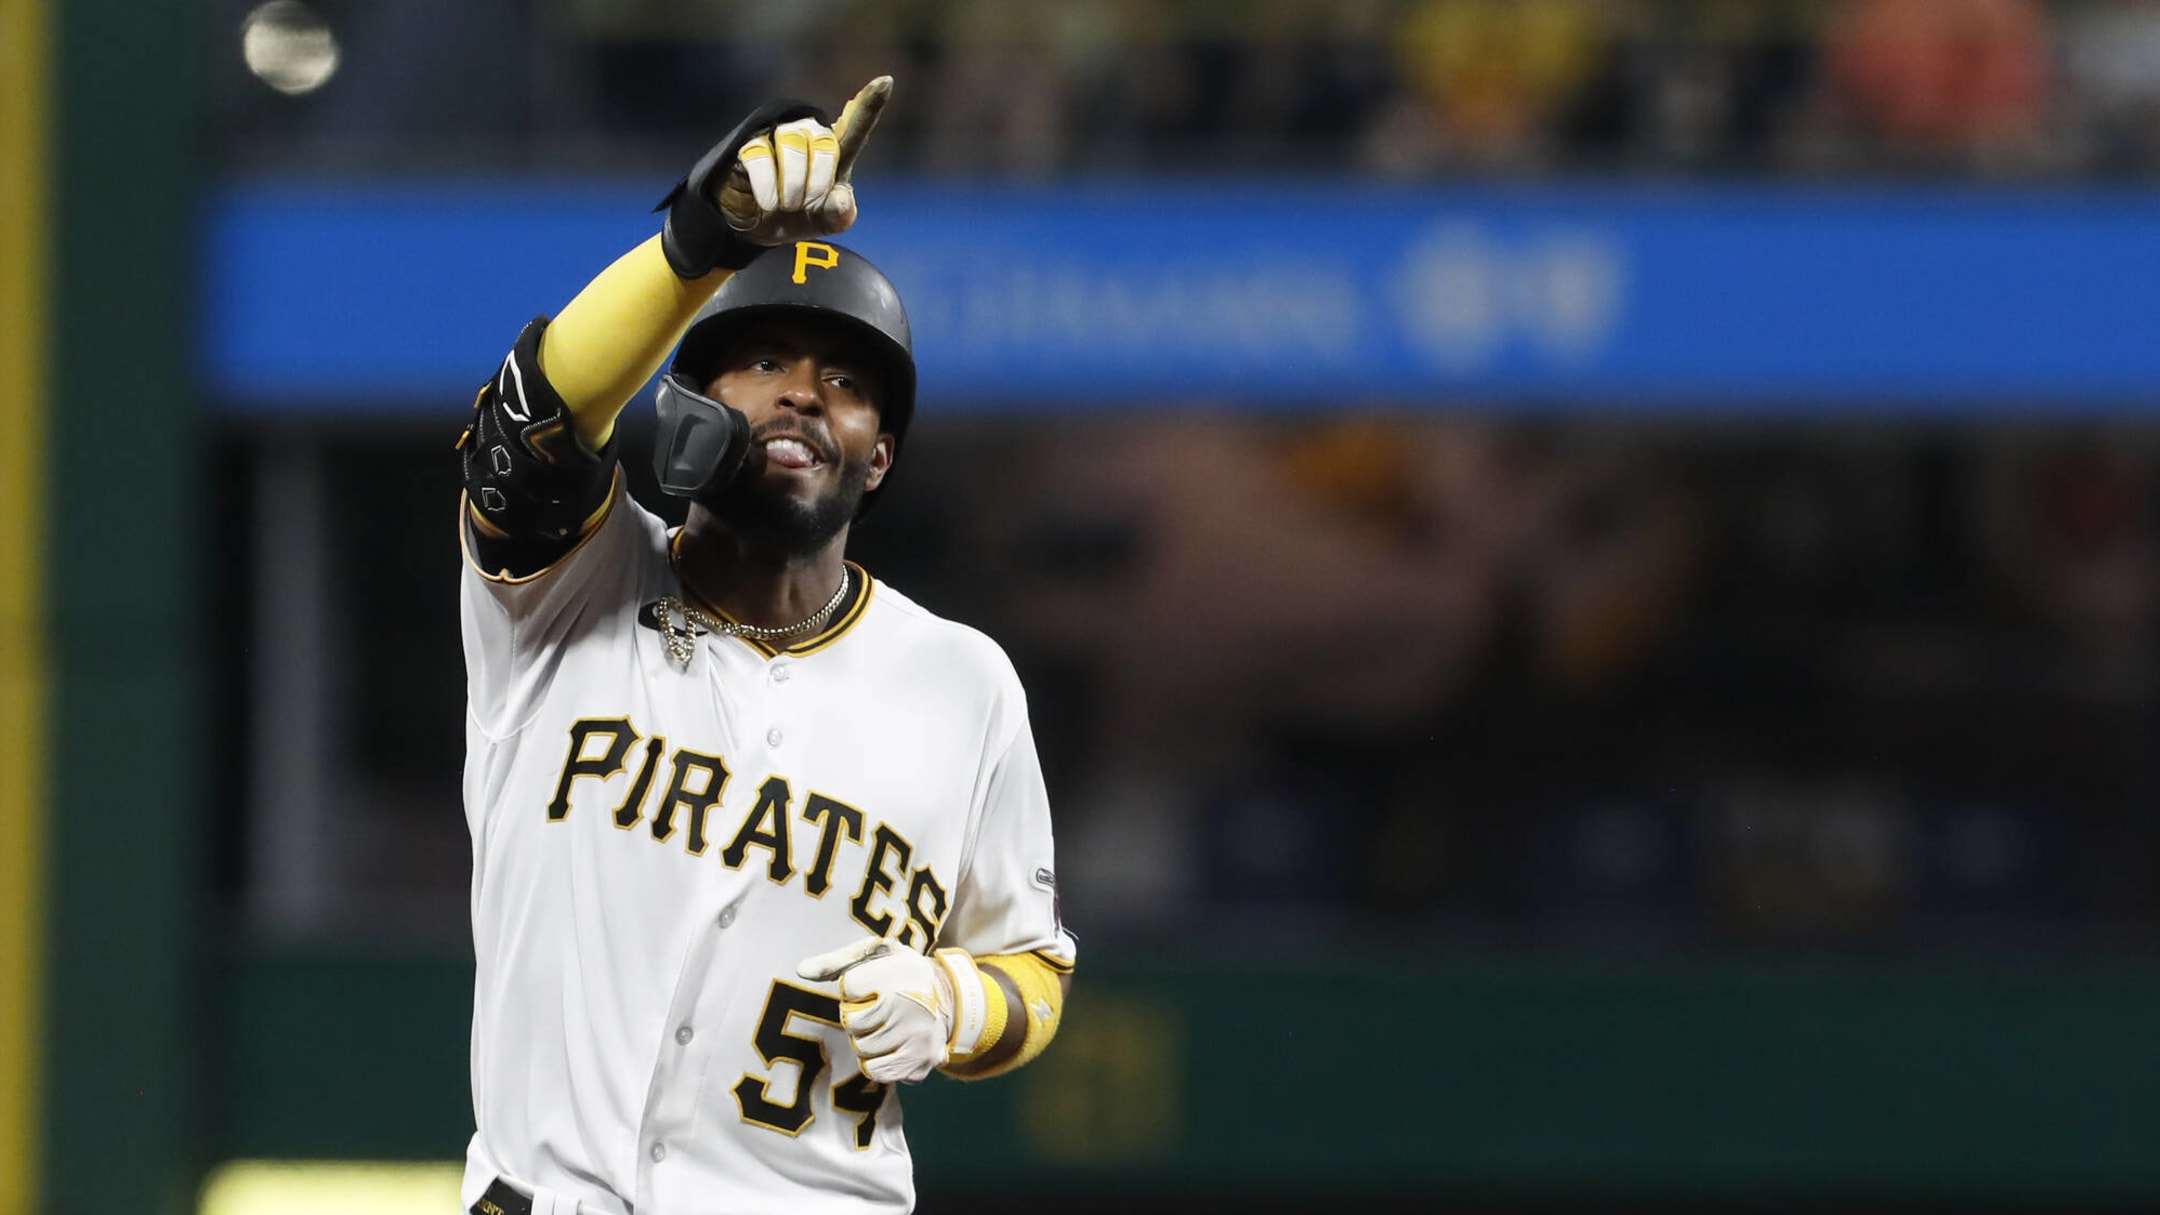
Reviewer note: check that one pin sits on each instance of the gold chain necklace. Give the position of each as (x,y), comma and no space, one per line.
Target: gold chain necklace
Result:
(682,623)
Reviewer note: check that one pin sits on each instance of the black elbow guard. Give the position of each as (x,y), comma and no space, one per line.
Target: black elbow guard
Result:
(527,474)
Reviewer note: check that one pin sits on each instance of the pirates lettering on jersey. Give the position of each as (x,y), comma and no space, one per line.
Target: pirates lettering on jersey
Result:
(767,828)
(614,734)
(832,818)
(922,888)
(884,843)
(600,749)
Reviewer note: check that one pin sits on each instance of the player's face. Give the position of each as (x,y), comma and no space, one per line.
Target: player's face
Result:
(810,393)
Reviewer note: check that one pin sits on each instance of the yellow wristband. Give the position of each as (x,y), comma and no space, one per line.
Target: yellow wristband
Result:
(994,1016)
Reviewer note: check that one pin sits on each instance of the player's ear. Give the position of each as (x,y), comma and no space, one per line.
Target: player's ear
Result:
(881,458)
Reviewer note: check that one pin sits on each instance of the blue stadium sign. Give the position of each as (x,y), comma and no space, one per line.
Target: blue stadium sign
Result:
(1693,300)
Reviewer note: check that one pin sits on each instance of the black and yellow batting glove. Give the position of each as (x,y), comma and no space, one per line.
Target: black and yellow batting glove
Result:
(781,175)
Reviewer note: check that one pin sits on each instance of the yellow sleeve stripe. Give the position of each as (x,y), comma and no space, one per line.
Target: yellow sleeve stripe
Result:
(1052,961)
(505,577)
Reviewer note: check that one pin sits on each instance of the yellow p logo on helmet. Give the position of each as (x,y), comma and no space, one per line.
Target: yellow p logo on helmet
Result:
(810,253)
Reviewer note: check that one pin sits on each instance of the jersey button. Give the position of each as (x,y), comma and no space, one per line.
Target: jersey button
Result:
(772,737)
(779,673)
(683,1035)
(659,1152)
(727,916)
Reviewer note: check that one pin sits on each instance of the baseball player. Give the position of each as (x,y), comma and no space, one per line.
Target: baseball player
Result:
(755,837)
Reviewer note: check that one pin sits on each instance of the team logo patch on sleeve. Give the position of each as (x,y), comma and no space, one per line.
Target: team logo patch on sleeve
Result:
(1048,881)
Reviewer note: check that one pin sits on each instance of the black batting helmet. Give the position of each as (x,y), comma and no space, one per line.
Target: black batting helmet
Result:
(698,442)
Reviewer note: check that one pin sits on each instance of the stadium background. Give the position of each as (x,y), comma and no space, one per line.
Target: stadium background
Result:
(1587,575)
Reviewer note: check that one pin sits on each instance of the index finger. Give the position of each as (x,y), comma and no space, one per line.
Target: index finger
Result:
(831,964)
(857,120)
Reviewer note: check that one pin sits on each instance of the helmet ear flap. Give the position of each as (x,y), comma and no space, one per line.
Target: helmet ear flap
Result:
(701,443)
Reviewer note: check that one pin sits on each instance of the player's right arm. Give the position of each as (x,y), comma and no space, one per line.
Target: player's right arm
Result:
(539,459)
(613,335)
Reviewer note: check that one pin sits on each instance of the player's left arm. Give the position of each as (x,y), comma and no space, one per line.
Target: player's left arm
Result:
(972,1018)
(991,998)
(1006,916)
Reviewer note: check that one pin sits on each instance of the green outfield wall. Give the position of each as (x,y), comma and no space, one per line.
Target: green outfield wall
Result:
(1537,1080)
(120,804)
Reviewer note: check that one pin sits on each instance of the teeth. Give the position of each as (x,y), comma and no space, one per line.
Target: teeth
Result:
(794,446)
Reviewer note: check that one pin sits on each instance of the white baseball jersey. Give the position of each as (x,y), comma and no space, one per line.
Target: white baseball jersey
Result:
(657,845)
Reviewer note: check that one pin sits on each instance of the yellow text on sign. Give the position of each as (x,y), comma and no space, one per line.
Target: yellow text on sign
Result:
(1111,1088)
(283,1187)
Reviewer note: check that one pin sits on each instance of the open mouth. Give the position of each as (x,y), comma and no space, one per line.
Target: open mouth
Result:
(790,452)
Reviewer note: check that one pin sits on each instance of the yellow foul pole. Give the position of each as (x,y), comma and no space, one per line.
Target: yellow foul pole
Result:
(24,54)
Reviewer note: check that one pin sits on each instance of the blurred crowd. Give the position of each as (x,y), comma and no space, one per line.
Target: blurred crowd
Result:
(1386,87)
(1661,687)
(1624,685)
